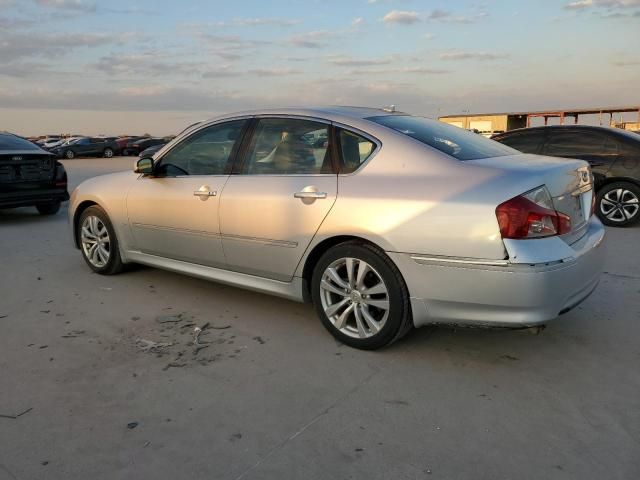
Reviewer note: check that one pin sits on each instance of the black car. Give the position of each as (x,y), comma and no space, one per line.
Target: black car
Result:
(135,148)
(148,152)
(87,147)
(30,176)
(614,155)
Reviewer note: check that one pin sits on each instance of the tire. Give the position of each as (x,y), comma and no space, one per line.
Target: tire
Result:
(69,155)
(48,208)
(618,204)
(362,321)
(92,224)
(108,153)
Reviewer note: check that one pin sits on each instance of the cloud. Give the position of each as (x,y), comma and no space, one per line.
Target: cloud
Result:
(258,22)
(399,70)
(345,61)
(146,63)
(626,63)
(448,17)
(583,4)
(14,46)
(401,17)
(274,72)
(69,5)
(315,39)
(356,22)
(482,56)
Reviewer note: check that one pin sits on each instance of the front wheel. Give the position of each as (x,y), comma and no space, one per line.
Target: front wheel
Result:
(48,208)
(69,154)
(98,242)
(108,153)
(618,204)
(360,296)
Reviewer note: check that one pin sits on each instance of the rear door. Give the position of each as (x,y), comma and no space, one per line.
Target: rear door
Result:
(285,186)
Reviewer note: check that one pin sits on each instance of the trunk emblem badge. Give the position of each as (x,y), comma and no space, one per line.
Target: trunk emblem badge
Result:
(16,158)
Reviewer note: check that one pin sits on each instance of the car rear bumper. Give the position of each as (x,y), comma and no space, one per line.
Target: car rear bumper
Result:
(29,198)
(502,293)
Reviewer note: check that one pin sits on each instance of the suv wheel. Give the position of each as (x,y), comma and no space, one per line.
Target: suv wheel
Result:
(618,204)
(360,296)
(98,242)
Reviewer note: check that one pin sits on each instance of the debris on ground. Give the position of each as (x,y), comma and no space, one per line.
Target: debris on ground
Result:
(132,425)
(4,316)
(3,415)
(169,318)
(73,334)
(150,346)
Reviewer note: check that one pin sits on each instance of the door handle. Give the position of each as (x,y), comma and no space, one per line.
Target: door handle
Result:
(304,194)
(203,192)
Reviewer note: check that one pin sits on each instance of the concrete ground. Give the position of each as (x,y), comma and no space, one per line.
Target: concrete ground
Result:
(275,397)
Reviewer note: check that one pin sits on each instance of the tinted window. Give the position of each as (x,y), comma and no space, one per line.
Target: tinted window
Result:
(525,142)
(206,152)
(288,146)
(579,143)
(354,150)
(11,142)
(454,141)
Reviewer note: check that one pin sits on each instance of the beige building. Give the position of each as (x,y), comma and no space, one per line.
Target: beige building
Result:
(491,123)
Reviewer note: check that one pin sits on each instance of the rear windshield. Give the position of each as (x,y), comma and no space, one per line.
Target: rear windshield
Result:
(11,142)
(454,141)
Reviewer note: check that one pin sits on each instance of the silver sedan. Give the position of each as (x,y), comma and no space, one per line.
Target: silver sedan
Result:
(383,220)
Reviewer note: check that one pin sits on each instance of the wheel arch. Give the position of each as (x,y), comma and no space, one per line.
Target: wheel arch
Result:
(76,217)
(617,179)
(318,250)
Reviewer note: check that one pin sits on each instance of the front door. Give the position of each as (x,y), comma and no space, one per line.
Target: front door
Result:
(174,212)
(273,207)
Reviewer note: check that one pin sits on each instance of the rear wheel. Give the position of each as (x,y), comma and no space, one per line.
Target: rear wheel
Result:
(48,208)
(98,242)
(618,204)
(69,154)
(108,153)
(360,296)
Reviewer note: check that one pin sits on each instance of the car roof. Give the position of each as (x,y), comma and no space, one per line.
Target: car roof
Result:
(320,111)
(563,127)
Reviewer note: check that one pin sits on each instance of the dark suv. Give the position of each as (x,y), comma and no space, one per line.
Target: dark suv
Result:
(29,176)
(614,155)
(87,147)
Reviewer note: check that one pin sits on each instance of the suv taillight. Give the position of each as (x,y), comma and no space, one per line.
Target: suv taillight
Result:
(531,215)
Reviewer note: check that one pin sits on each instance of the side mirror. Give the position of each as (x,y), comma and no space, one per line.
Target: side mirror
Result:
(144,166)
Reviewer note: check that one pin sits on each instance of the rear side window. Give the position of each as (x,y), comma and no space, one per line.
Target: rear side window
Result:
(354,150)
(578,143)
(525,142)
(453,141)
(11,142)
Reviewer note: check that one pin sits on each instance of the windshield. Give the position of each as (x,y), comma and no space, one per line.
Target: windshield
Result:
(11,142)
(454,141)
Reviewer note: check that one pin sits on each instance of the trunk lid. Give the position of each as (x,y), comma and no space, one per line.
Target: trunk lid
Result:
(22,170)
(569,182)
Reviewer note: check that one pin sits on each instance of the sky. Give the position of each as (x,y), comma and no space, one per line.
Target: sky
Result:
(141,66)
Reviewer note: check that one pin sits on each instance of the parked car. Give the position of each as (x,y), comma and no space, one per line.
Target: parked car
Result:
(614,156)
(86,147)
(30,176)
(149,152)
(134,148)
(400,222)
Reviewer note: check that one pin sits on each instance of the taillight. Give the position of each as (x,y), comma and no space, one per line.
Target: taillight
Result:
(531,215)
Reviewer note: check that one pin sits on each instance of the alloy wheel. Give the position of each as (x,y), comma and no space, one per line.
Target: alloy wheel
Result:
(354,297)
(95,240)
(619,205)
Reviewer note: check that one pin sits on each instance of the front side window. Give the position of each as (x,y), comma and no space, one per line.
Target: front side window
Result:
(354,150)
(453,141)
(206,152)
(285,146)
